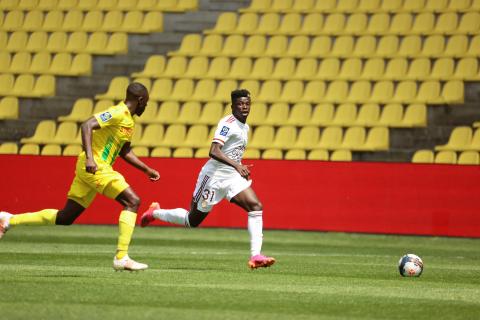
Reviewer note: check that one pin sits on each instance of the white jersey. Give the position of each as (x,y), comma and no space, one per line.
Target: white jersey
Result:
(233,136)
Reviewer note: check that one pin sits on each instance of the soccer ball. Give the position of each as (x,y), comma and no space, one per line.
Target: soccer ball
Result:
(410,265)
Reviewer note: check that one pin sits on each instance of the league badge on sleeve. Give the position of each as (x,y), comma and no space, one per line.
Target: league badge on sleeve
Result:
(105,116)
(224,131)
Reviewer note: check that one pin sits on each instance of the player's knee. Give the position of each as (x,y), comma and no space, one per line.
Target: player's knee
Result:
(256,206)
(133,203)
(64,220)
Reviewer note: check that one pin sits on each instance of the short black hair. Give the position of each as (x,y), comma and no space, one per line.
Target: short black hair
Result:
(135,90)
(239,93)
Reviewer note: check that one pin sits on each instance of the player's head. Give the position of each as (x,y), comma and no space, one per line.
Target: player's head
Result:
(138,95)
(241,104)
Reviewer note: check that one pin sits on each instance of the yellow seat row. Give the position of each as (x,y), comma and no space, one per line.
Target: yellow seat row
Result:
(76,20)
(371,6)
(103,5)
(462,138)
(77,42)
(340,24)
(46,132)
(45,63)
(367,46)
(446,157)
(310,68)
(27,85)
(293,91)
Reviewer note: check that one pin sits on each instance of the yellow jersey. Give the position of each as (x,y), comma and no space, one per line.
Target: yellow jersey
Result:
(117,126)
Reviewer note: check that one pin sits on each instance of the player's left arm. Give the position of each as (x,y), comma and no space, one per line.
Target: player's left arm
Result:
(127,154)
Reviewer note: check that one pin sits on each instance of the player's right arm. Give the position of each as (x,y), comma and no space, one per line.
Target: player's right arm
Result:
(87,129)
(217,154)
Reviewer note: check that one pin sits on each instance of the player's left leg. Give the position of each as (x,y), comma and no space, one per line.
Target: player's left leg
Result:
(248,200)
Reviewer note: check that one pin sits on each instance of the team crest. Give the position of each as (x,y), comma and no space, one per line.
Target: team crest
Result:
(224,131)
(105,116)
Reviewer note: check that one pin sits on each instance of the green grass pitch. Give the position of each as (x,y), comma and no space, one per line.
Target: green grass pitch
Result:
(66,273)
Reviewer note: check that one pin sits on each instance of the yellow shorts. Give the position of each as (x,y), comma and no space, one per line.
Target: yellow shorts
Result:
(85,185)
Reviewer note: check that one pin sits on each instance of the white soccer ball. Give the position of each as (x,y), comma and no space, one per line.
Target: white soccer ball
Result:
(410,265)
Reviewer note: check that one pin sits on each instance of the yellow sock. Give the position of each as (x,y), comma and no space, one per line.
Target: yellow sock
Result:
(126,224)
(40,218)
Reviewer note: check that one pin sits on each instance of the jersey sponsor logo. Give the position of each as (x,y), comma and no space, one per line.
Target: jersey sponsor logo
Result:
(224,131)
(126,131)
(105,116)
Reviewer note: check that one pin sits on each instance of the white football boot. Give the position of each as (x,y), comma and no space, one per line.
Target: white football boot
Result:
(4,222)
(126,263)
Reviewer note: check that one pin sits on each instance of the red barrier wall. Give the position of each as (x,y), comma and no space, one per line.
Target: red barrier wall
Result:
(399,198)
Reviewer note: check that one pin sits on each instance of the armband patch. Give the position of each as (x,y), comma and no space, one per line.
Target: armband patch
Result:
(224,131)
(105,116)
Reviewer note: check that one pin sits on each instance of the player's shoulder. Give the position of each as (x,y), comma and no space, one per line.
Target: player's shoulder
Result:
(227,120)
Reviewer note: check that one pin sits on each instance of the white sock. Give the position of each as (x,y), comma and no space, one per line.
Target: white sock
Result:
(175,216)
(255,228)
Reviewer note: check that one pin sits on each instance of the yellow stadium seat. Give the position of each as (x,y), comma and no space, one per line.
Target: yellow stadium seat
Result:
(132,22)
(251,85)
(161,90)
(457,46)
(262,137)
(33,20)
(443,69)
(161,152)
(102,105)
(368,115)
(459,5)
(321,155)
(247,23)
(9,148)
(445,157)
(167,112)
(356,23)
(5,60)
(387,46)
(189,113)
(341,155)
(112,21)
(415,116)
(401,23)
(81,111)
(251,154)
(41,63)
(295,154)
(351,69)
(291,23)
(460,139)
(44,132)
(3,37)
(368,5)
(53,21)
(373,69)
(175,67)
(342,47)
(197,68)
(475,144)
(20,62)
(392,115)
(204,90)
(258,113)
(423,23)
(467,69)
(257,6)
(73,20)
(328,69)
(322,114)
(281,5)
(359,91)
(320,46)
(292,91)
(86,5)
(307,138)
(61,64)
(446,23)
(154,66)
(187,5)
(353,139)
(433,46)
(211,113)
(141,151)
(300,114)
(377,139)
(232,45)
(204,153)
(30,149)
(165,5)
(197,136)
(276,47)
(7,82)
(97,43)
(116,89)
(325,5)
(469,158)
(405,92)
(347,5)
(223,91)
(429,92)
(474,47)
(77,42)
(312,24)
(337,91)
(423,156)
(13,20)
(305,69)
(126,5)
(277,114)
(183,152)
(152,22)
(24,86)
(285,138)
(452,92)
(334,24)
(212,45)
(190,45)
(267,24)
(218,69)
(378,24)
(241,68)
(413,5)
(151,136)
(272,154)
(17,41)
(410,46)
(9,108)
(51,150)
(283,69)
(269,91)
(117,44)
(174,136)
(435,5)
(226,24)
(66,133)
(396,69)
(81,65)
(331,138)
(365,46)
(92,21)
(469,23)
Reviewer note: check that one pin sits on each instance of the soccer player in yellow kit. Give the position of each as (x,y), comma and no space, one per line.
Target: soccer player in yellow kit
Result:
(104,136)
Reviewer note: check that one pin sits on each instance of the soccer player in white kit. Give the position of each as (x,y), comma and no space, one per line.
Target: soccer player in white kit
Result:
(223,176)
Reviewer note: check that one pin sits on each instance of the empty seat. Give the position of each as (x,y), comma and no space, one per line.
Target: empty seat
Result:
(460,139)
(353,139)
(226,24)
(9,148)
(211,113)
(285,138)
(341,155)
(277,114)
(272,154)
(469,158)
(66,133)
(81,110)
(392,115)
(151,137)
(189,113)
(368,115)
(262,137)
(44,132)
(415,116)
(174,136)
(161,152)
(295,154)
(446,157)
(318,154)
(161,90)
(377,139)
(258,113)
(331,138)
(116,89)
(322,114)
(9,108)
(300,114)
(423,156)
(190,45)
(307,138)
(268,24)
